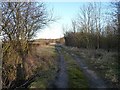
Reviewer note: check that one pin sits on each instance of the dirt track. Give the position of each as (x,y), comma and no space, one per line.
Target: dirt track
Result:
(93,79)
(61,80)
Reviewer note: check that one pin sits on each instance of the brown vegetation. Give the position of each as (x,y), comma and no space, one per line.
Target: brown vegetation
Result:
(20,22)
(43,42)
(99,39)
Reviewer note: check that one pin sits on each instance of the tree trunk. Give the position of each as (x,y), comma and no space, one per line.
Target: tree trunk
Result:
(119,40)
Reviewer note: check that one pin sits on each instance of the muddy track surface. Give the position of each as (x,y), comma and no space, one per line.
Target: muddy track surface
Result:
(93,79)
(61,79)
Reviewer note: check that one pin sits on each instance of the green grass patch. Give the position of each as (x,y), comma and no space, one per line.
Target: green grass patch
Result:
(75,75)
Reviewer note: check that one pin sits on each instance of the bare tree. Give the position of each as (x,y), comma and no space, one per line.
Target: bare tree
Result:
(117,23)
(20,22)
(89,19)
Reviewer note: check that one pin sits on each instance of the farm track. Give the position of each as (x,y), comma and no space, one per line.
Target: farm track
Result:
(61,79)
(93,79)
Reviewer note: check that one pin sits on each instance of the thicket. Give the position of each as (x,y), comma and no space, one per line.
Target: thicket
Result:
(93,30)
(20,22)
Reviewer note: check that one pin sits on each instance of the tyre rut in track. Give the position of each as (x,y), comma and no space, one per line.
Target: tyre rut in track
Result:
(61,79)
(93,80)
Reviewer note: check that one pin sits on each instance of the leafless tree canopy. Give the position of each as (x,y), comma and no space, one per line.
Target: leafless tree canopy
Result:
(93,31)
(20,22)
(21,19)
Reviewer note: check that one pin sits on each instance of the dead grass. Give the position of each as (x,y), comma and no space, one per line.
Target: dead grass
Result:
(103,62)
(46,58)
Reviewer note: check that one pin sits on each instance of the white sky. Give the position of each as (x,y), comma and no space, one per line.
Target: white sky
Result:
(51,32)
(65,11)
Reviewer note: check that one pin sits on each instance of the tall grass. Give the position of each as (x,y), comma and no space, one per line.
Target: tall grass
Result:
(46,58)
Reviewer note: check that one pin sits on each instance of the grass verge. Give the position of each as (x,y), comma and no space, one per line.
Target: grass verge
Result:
(101,61)
(47,65)
(75,75)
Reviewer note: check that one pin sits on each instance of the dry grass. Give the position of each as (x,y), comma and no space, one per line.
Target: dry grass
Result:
(103,62)
(40,56)
(46,62)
